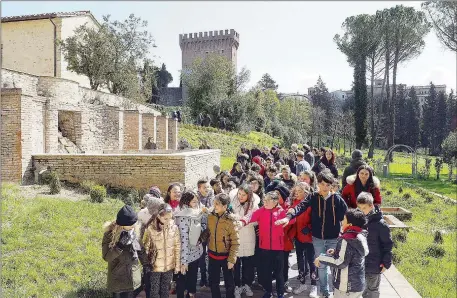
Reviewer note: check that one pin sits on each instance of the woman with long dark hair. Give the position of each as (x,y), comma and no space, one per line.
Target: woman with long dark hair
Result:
(363,180)
(326,161)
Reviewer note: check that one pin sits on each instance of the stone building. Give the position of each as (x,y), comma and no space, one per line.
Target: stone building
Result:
(199,45)
(29,43)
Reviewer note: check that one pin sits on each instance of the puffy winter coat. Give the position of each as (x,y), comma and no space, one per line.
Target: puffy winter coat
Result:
(124,270)
(379,243)
(271,236)
(349,192)
(185,218)
(223,241)
(332,167)
(166,245)
(348,260)
(246,233)
(301,229)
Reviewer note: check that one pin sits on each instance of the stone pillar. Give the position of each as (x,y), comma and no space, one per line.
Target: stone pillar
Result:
(52,130)
(173,134)
(121,129)
(155,129)
(162,132)
(140,131)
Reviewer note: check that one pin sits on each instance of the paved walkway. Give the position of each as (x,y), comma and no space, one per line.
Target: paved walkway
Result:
(393,285)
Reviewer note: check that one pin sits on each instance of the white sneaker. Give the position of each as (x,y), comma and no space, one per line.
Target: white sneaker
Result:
(313,292)
(300,289)
(287,288)
(238,291)
(248,291)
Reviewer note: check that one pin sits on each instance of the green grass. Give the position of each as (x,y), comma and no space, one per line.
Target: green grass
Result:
(430,276)
(52,247)
(228,142)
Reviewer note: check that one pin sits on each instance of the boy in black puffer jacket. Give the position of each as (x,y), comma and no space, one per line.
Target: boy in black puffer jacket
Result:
(379,243)
(348,258)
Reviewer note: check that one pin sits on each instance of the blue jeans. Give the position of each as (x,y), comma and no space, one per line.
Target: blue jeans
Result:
(320,247)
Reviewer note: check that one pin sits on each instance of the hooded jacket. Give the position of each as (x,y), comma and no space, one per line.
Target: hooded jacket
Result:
(223,241)
(124,270)
(379,243)
(326,214)
(348,260)
(317,168)
(349,191)
(352,168)
(271,236)
(184,219)
(165,245)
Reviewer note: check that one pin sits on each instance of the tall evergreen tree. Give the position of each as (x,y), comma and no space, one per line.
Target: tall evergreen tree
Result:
(400,125)
(429,120)
(412,119)
(440,122)
(451,112)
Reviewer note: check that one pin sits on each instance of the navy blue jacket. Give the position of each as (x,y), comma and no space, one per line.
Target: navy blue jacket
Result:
(331,209)
(348,260)
(379,242)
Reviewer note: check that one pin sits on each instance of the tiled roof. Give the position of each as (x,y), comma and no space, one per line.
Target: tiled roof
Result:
(45,16)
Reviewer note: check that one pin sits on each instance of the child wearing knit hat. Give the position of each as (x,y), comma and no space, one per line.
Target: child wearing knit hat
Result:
(123,252)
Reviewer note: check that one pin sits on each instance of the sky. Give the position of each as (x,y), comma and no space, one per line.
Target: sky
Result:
(292,41)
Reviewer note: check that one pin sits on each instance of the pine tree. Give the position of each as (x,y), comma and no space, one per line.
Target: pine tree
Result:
(429,114)
(412,119)
(400,116)
(440,121)
(451,115)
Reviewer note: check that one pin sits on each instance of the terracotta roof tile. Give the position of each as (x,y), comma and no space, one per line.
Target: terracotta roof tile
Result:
(45,16)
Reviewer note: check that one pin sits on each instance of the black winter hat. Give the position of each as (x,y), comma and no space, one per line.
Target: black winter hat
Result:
(279,186)
(126,216)
(356,154)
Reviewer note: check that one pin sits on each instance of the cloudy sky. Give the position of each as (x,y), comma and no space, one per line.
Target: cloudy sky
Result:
(293,41)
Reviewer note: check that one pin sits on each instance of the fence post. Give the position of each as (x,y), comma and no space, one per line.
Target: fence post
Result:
(385,171)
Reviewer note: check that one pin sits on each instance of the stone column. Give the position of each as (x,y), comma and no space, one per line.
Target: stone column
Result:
(155,129)
(173,125)
(51,129)
(162,132)
(140,131)
(121,129)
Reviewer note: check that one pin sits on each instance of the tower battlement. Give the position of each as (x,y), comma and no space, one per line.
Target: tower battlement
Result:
(208,36)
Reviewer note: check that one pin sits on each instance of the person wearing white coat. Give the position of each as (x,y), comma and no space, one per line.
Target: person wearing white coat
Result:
(244,203)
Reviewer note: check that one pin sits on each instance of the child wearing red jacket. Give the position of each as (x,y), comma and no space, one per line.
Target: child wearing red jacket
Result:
(271,243)
(301,232)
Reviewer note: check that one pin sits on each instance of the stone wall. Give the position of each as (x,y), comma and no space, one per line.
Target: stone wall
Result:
(132,170)
(170,96)
(94,120)
(11,145)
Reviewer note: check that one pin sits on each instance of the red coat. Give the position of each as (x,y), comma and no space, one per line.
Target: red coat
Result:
(271,236)
(295,231)
(258,160)
(349,196)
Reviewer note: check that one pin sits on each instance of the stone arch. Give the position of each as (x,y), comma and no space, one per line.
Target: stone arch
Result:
(410,149)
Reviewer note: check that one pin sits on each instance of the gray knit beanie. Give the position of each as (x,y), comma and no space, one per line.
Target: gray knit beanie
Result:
(154,206)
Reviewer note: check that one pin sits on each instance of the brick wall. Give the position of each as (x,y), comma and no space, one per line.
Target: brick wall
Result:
(162,131)
(11,145)
(131,126)
(132,170)
(148,128)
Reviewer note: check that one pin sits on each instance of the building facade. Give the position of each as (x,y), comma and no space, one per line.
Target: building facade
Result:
(29,43)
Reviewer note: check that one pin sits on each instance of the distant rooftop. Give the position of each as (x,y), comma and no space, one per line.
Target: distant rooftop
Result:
(50,15)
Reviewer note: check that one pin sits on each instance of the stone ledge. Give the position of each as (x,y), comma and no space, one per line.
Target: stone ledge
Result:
(403,288)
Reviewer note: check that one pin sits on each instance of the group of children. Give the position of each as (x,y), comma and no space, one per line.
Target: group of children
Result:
(246,223)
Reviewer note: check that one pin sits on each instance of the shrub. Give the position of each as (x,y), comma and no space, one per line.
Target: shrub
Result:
(399,236)
(438,238)
(428,199)
(54,183)
(86,186)
(400,189)
(388,193)
(97,193)
(407,196)
(435,251)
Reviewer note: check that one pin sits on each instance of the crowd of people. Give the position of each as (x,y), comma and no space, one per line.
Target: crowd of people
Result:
(245,223)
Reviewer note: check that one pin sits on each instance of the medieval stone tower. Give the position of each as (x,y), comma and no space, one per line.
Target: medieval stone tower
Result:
(195,45)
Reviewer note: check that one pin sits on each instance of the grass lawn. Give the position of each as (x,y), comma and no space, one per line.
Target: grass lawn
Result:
(52,247)
(416,258)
